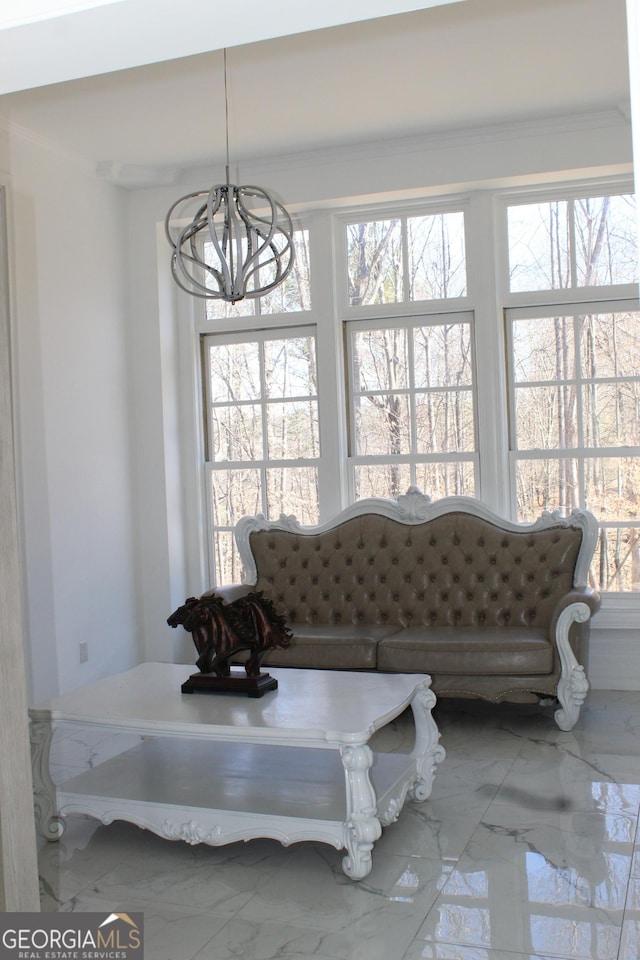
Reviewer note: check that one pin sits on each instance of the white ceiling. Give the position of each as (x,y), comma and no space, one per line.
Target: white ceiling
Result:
(443,68)
(48,41)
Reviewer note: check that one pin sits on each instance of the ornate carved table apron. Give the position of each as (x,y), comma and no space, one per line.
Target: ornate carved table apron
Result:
(217,768)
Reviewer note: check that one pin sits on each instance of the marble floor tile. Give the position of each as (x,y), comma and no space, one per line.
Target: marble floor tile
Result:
(270,940)
(528,849)
(630,942)
(538,883)
(578,934)
(419,950)
(491,731)
(86,851)
(169,933)
(210,880)
(464,785)
(559,864)
(549,778)
(312,892)
(419,833)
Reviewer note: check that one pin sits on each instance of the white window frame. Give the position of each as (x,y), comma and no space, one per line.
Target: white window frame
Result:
(488,297)
(264,463)
(618,609)
(390,210)
(413,458)
(321,319)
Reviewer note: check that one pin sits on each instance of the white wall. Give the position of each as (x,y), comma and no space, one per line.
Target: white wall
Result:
(104,427)
(73,396)
(508,154)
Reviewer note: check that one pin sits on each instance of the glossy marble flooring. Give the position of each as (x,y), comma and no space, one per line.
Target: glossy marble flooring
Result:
(528,848)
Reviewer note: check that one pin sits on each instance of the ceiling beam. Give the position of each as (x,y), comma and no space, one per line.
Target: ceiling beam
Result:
(68,42)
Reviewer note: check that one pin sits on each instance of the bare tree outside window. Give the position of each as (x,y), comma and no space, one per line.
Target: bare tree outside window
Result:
(411,383)
(578,410)
(436,256)
(412,402)
(263,435)
(563,244)
(576,375)
(571,317)
(539,253)
(374,259)
(291,296)
(606,240)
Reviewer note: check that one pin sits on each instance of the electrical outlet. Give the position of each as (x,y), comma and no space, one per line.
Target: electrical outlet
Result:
(84,651)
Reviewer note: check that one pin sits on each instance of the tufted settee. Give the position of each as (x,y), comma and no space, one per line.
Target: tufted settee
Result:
(490,608)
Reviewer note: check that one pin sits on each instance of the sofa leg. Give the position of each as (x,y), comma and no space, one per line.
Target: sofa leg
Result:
(573,685)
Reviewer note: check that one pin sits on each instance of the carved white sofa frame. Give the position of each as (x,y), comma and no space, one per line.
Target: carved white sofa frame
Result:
(415,508)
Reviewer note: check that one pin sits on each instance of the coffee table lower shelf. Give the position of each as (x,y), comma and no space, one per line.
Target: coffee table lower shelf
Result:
(218,793)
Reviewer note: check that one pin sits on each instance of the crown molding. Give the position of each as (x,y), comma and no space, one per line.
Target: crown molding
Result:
(134,176)
(607,118)
(616,116)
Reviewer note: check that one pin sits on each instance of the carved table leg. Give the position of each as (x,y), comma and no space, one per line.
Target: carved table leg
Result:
(49,824)
(362,827)
(427,750)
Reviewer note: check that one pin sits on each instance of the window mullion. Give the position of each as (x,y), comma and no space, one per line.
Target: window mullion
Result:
(411,382)
(406,287)
(571,210)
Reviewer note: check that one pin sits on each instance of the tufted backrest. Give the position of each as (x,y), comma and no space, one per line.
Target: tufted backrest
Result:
(454,569)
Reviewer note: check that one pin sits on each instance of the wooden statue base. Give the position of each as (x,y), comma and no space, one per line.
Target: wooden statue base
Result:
(236,683)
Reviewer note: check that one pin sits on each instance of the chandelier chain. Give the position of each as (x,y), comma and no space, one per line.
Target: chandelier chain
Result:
(226,112)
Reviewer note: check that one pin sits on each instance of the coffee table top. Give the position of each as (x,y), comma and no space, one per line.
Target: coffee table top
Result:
(312,707)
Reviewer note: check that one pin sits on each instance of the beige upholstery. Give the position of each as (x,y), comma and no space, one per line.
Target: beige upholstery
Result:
(463,650)
(472,600)
(456,570)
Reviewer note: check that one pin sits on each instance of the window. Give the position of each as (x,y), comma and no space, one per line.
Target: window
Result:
(575,372)
(583,242)
(407,259)
(262,434)
(418,363)
(293,295)
(410,380)
(412,407)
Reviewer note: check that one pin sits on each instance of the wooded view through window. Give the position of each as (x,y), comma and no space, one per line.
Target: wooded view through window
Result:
(575,374)
(591,241)
(292,295)
(407,259)
(547,419)
(413,409)
(263,440)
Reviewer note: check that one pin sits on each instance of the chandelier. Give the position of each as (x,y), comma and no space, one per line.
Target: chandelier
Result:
(229,242)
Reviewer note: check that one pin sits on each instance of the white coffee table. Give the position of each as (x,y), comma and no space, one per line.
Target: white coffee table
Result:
(216,768)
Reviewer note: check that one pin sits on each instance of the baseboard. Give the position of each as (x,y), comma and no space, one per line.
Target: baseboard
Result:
(614,659)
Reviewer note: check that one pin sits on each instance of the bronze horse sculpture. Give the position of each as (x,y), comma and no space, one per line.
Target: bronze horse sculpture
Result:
(222,630)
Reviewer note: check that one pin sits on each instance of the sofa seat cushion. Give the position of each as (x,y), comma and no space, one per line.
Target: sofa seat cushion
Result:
(332,646)
(505,651)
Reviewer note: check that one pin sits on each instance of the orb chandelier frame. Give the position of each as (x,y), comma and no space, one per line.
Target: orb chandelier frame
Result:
(238,243)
